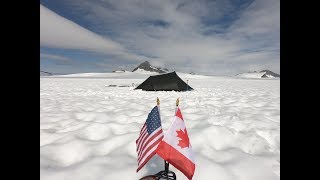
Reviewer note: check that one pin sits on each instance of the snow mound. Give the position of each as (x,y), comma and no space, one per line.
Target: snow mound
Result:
(142,71)
(141,74)
(251,75)
(191,76)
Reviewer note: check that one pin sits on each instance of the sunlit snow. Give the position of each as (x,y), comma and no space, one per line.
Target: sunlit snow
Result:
(88,130)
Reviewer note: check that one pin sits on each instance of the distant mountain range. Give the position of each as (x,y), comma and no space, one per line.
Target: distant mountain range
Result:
(44,73)
(261,74)
(269,73)
(148,67)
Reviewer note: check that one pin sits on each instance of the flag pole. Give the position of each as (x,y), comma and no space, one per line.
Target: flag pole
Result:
(166,163)
(166,174)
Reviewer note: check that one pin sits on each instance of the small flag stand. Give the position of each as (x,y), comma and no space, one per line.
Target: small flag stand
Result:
(166,174)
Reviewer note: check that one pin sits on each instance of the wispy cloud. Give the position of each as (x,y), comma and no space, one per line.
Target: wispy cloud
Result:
(58,58)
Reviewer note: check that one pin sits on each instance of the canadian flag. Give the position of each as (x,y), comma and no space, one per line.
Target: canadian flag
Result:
(175,147)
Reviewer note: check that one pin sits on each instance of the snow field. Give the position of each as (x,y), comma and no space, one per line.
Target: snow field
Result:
(88,130)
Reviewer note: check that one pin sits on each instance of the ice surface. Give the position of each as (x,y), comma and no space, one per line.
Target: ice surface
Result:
(251,75)
(88,130)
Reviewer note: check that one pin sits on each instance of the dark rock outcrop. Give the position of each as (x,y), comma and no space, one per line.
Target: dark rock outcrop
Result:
(270,73)
(44,73)
(148,67)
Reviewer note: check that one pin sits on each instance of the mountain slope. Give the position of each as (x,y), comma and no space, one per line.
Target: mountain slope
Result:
(148,67)
(269,73)
(251,75)
(261,74)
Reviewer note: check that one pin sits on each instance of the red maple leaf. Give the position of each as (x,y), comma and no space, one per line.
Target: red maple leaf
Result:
(183,135)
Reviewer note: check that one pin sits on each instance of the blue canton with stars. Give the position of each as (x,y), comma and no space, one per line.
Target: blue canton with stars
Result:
(153,121)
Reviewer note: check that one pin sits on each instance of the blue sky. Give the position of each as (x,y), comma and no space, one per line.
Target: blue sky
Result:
(217,37)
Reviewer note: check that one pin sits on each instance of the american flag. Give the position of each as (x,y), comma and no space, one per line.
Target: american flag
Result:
(150,136)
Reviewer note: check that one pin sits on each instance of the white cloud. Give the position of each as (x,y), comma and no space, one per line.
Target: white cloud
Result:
(58,32)
(261,17)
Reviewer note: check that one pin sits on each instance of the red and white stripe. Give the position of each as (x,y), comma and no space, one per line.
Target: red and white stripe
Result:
(147,144)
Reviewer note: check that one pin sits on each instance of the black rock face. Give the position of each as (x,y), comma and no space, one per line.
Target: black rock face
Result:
(43,73)
(147,66)
(268,72)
